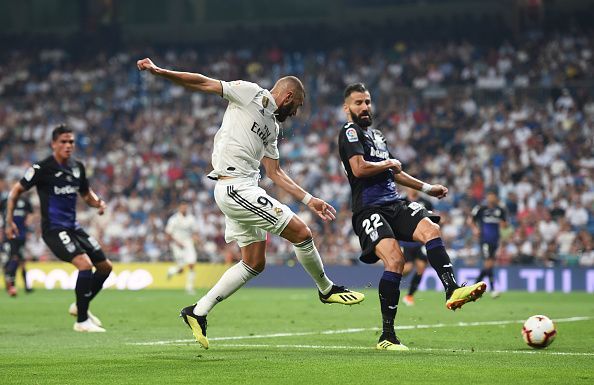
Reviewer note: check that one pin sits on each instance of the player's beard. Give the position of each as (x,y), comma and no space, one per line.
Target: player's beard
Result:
(363,123)
(283,112)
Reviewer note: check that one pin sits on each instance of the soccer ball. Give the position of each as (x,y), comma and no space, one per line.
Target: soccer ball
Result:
(539,331)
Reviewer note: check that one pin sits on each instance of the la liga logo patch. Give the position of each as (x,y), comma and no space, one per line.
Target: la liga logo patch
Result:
(351,135)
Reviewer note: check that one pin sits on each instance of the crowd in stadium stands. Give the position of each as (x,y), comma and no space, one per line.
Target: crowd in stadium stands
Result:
(517,117)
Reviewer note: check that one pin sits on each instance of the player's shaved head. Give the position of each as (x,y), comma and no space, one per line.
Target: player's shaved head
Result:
(290,83)
(289,95)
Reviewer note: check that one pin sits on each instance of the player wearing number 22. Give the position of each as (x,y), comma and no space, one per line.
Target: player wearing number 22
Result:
(381,216)
(59,178)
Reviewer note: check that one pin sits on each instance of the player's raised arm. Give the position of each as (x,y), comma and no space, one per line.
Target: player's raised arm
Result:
(364,169)
(434,190)
(273,170)
(192,81)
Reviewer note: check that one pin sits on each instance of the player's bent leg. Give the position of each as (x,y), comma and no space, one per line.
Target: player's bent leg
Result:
(83,293)
(456,296)
(102,271)
(307,254)
(252,263)
(391,255)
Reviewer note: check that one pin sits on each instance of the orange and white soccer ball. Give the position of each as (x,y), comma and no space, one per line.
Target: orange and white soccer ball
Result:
(539,331)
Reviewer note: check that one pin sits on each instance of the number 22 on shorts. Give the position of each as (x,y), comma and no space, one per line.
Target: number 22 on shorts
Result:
(372,223)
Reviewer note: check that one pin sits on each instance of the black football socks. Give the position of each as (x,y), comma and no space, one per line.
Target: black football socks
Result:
(414,284)
(97,283)
(83,293)
(440,260)
(389,294)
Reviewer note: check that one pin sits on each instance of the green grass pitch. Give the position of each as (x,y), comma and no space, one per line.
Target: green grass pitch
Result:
(285,336)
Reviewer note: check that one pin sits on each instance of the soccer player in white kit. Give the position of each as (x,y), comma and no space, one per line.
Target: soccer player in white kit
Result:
(181,231)
(247,139)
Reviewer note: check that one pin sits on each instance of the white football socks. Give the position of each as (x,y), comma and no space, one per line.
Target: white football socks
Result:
(234,278)
(190,280)
(308,256)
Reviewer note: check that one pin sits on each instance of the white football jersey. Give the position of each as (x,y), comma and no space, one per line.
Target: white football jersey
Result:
(249,131)
(181,227)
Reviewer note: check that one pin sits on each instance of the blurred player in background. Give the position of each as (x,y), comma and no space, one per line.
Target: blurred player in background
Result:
(181,231)
(15,247)
(382,217)
(58,179)
(486,222)
(248,138)
(415,254)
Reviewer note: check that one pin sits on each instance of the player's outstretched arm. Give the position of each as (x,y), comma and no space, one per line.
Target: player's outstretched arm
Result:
(434,190)
(94,201)
(192,81)
(273,170)
(364,169)
(15,192)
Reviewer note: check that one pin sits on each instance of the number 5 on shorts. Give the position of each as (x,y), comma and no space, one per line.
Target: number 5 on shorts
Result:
(64,237)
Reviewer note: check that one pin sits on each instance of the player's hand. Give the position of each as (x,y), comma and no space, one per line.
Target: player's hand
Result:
(12,231)
(395,165)
(438,191)
(146,64)
(102,207)
(323,209)
(476,232)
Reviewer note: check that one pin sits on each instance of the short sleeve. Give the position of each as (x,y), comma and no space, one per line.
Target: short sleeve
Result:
(240,92)
(31,177)
(271,150)
(350,142)
(169,226)
(84,182)
(503,214)
(476,213)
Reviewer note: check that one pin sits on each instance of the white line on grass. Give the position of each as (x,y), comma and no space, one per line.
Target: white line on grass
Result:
(453,350)
(353,330)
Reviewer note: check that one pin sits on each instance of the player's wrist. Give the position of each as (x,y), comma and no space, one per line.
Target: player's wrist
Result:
(306,199)
(426,188)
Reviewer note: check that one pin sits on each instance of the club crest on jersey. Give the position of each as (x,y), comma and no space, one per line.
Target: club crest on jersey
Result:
(278,211)
(351,135)
(76,172)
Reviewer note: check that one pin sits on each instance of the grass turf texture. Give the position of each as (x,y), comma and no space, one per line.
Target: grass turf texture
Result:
(38,346)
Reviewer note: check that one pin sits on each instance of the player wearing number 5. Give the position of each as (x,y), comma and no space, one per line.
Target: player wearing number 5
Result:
(381,216)
(59,178)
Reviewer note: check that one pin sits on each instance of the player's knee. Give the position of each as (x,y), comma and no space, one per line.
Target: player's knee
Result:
(394,263)
(257,265)
(432,231)
(105,267)
(303,234)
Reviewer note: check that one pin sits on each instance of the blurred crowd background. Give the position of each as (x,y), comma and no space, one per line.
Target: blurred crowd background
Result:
(513,114)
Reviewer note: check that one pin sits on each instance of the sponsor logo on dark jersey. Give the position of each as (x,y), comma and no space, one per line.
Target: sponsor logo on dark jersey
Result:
(66,190)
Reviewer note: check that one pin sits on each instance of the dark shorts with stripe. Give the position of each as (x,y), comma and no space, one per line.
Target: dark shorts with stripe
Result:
(412,253)
(396,220)
(68,243)
(15,248)
(488,250)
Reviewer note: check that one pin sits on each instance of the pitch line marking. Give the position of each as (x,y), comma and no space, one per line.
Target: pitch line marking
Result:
(354,330)
(452,350)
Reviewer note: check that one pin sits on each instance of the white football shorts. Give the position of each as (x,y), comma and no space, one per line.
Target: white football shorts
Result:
(249,211)
(184,255)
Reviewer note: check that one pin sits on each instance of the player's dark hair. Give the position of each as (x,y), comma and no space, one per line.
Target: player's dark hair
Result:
(354,87)
(59,130)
